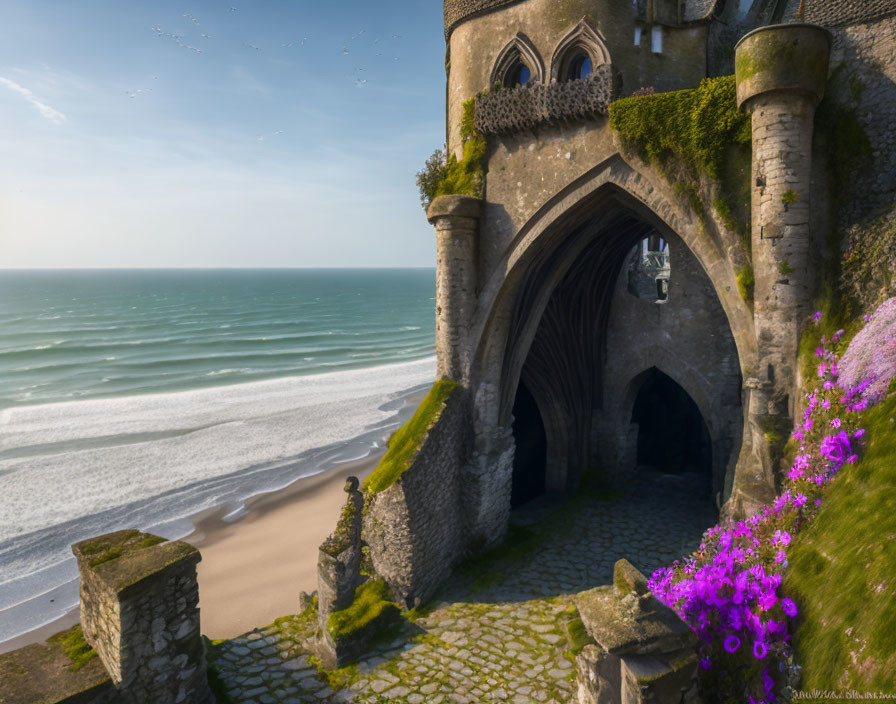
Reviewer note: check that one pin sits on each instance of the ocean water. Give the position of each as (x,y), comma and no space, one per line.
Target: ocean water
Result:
(138,398)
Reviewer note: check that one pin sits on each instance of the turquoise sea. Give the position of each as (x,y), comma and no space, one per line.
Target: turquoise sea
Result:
(136,398)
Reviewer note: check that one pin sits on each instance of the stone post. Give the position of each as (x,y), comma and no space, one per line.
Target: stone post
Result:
(140,612)
(456,219)
(339,570)
(339,557)
(781,73)
(642,652)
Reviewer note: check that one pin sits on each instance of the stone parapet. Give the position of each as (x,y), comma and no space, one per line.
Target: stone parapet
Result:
(642,653)
(510,110)
(42,673)
(140,612)
(792,58)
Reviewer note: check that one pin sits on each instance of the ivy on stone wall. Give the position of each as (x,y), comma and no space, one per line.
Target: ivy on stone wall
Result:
(695,126)
(446,175)
(406,441)
(701,142)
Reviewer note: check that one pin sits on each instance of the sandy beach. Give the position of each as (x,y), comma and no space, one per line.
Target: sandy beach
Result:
(252,570)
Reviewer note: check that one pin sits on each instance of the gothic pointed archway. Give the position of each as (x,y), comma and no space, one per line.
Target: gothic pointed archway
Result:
(561,324)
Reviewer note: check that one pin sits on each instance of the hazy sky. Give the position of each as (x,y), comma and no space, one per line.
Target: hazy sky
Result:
(158,133)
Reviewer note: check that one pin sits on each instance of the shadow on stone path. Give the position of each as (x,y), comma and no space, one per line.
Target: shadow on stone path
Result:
(497,631)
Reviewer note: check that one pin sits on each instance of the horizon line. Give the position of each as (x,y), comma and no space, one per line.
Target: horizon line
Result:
(209,268)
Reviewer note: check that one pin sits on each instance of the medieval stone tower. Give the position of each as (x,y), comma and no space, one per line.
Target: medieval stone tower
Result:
(590,309)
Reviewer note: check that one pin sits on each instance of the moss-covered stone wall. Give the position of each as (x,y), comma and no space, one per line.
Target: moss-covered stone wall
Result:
(414,519)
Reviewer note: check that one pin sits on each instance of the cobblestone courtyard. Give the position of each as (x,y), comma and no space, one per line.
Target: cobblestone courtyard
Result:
(498,630)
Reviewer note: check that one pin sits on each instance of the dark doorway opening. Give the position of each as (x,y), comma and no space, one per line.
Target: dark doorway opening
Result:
(531,454)
(672,434)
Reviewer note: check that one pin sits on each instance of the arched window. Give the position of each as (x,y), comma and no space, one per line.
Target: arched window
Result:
(649,269)
(578,54)
(518,64)
(579,65)
(518,76)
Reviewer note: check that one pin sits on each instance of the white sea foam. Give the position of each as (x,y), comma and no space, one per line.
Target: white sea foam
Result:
(146,461)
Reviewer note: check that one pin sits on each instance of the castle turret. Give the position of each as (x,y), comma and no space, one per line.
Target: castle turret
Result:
(781,73)
(456,219)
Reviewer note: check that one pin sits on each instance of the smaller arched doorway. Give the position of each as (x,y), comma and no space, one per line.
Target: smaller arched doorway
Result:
(530,457)
(673,437)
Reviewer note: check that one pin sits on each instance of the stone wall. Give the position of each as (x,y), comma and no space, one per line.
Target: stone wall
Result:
(41,674)
(139,613)
(688,338)
(416,528)
(476,45)
(867,54)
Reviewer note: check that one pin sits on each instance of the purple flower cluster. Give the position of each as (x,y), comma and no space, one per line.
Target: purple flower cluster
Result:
(729,590)
(871,357)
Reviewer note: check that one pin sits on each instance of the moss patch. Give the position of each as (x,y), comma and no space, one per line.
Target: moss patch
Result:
(842,572)
(465,176)
(695,134)
(340,539)
(372,606)
(406,441)
(577,635)
(746,286)
(697,126)
(74,646)
(111,547)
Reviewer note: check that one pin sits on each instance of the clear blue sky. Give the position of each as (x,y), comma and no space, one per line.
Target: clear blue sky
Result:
(122,145)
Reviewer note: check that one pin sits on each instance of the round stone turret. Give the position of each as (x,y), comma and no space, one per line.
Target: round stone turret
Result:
(456,219)
(781,73)
(791,58)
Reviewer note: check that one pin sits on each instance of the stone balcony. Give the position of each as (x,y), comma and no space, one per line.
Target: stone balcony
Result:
(509,110)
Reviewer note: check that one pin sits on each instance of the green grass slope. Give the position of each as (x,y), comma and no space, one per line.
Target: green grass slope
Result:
(843,572)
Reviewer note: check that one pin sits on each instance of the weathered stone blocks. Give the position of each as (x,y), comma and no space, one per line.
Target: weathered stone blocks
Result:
(643,651)
(416,528)
(140,612)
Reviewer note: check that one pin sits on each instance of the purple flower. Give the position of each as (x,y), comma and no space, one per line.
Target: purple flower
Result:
(817,316)
(822,370)
(767,601)
(789,608)
(781,556)
(817,503)
(768,684)
(705,663)
(860,433)
(760,650)
(819,351)
(836,448)
(826,404)
(799,500)
(782,537)
(731,644)
(835,423)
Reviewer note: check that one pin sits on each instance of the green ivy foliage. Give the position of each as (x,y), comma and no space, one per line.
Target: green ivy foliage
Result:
(446,175)
(696,126)
(405,442)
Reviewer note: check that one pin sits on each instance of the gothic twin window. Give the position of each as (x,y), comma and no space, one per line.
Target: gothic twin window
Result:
(577,55)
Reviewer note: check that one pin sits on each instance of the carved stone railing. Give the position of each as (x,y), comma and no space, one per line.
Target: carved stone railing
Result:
(509,110)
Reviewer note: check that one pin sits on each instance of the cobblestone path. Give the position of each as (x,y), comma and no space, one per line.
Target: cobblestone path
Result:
(498,630)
